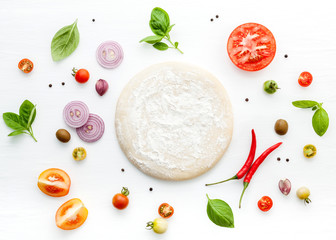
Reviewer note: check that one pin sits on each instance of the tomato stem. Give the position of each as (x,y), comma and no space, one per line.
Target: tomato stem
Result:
(125,191)
(234,177)
(241,196)
(150,225)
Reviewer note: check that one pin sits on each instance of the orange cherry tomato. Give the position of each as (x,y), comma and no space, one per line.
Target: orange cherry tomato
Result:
(265,203)
(165,210)
(25,65)
(54,182)
(305,79)
(71,215)
(81,75)
(120,200)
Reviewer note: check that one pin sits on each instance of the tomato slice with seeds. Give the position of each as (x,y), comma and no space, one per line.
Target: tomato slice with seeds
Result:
(165,210)
(251,47)
(305,79)
(71,215)
(54,182)
(25,65)
(265,203)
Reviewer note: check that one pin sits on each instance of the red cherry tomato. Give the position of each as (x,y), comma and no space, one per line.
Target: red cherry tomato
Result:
(25,65)
(120,200)
(81,75)
(165,210)
(71,215)
(54,182)
(265,203)
(251,47)
(305,79)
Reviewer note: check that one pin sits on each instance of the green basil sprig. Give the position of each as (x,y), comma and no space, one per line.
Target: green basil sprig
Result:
(220,213)
(320,120)
(21,123)
(65,42)
(160,26)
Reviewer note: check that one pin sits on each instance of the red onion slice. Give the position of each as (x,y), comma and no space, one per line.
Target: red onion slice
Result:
(92,130)
(76,114)
(109,54)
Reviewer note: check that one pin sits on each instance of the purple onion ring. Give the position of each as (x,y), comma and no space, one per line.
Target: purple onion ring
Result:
(92,130)
(109,54)
(76,114)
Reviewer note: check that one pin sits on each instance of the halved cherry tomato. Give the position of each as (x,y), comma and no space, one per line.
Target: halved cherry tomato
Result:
(71,215)
(54,182)
(25,65)
(305,79)
(265,203)
(251,47)
(120,200)
(79,153)
(165,210)
(81,75)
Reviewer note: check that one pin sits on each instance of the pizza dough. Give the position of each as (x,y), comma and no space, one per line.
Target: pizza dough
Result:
(174,121)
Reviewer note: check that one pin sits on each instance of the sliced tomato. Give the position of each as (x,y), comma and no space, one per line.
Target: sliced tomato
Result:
(265,203)
(251,47)
(165,210)
(305,79)
(25,65)
(54,182)
(71,215)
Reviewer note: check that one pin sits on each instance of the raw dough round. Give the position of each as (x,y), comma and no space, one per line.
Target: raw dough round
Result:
(174,121)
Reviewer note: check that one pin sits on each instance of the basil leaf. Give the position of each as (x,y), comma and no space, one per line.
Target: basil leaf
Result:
(18,132)
(65,42)
(159,21)
(176,44)
(320,122)
(25,111)
(170,28)
(160,46)
(14,121)
(152,39)
(304,103)
(220,213)
(31,117)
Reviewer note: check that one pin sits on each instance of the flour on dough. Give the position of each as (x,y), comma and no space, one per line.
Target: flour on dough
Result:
(174,121)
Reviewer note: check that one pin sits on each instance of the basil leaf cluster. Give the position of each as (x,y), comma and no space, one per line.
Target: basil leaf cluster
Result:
(22,122)
(160,26)
(220,213)
(65,42)
(320,120)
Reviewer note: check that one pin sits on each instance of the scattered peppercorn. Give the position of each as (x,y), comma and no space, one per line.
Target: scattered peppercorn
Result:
(63,83)
(217,16)
(286,56)
(123,170)
(150,189)
(287,159)
(246,99)
(50,85)
(93,20)
(211,19)
(278,159)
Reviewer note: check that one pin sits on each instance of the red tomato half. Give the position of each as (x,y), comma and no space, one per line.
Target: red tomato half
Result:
(305,79)
(165,210)
(251,47)
(54,182)
(25,65)
(265,203)
(71,215)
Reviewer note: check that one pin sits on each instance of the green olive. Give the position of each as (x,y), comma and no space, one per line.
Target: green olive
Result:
(309,151)
(63,135)
(270,86)
(281,127)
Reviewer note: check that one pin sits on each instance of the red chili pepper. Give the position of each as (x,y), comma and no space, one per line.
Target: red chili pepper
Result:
(255,166)
(247,164)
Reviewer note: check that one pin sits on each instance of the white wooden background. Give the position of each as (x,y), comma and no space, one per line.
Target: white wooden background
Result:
(305,30)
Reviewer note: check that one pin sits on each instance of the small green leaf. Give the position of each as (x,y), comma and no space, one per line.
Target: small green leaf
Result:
(176,44)
(159,22)
(25,110)
(160,46)
(314,108)
(14,121)
(18,132)
(152,39)
(31,117)
(170,28)
(220,213)
(320,122)
(65,42)
(304,103)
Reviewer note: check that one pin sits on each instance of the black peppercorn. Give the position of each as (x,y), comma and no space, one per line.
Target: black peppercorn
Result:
(150,189)
(50,85)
